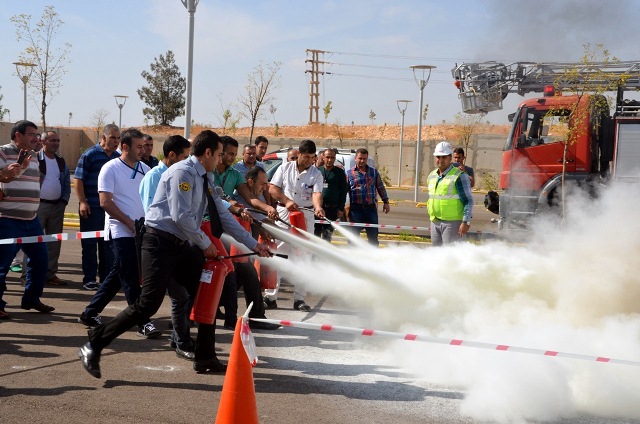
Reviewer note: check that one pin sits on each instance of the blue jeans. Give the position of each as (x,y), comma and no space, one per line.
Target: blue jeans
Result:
(124,273)
(93,266)
(365,214)
(37,258)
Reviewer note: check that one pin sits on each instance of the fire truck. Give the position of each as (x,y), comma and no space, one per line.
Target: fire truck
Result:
(602,140)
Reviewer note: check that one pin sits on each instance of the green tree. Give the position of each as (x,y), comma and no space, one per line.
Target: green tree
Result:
(327,110)
(372,116)
(49,59)
(165,94)
(3,110)
(258,91)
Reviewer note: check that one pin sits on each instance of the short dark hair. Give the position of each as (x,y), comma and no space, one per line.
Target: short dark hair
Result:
(253,173)
(175,144)
(127,136)
(21,127)
(228,141)
(363,151)
(332,149)
(307,146)
(459,150)
(260,139)
(248,146)
(207,139)
(147,137)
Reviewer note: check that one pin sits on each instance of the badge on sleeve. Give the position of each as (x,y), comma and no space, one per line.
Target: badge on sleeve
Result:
(185,186)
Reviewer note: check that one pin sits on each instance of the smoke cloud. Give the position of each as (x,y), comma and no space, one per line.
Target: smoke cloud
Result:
(573,289)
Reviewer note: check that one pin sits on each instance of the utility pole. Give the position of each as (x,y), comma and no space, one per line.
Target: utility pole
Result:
(314,84)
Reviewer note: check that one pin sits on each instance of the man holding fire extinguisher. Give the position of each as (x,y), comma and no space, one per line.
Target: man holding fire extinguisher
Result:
(174,246)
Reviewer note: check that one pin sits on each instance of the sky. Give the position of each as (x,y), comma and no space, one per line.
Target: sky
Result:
(371,45)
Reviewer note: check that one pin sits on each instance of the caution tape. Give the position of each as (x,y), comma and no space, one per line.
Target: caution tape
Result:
(444,341)
(54,237)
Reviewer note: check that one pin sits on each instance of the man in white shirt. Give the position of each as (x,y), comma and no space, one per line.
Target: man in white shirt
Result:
(297,186)
(55,189)
(118,184)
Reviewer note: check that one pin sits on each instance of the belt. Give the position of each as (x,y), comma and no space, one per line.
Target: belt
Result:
(165,235)
(362,205)
(50,202)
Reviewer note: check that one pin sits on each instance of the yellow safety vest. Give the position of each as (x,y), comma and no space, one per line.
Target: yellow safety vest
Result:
(444,202)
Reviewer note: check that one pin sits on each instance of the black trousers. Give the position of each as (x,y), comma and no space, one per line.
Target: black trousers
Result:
(161,260)
(245,276)
(325,231)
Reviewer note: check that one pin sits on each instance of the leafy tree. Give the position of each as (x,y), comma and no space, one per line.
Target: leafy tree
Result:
(258,91)
(425,112)
(165,94)
(327,110)
(3,110)
(50,61)
(372,116)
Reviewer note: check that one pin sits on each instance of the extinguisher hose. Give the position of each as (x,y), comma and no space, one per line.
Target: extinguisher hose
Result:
(243,255)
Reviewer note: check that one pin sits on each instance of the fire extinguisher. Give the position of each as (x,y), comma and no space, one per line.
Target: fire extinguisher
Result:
(297,219)
(267,275)
(212,278)
(234,250)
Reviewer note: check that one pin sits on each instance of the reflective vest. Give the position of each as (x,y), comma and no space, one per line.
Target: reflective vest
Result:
(444,202)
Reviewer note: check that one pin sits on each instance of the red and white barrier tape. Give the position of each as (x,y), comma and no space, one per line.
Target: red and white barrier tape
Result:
(53,237)
(451,342)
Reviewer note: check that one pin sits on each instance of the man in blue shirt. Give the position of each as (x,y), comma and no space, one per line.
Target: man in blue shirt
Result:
(91,214)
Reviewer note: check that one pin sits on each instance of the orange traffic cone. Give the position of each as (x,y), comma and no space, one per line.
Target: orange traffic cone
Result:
(238,399)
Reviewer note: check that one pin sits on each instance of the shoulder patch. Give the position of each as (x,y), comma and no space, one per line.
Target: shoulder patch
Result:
(185,186)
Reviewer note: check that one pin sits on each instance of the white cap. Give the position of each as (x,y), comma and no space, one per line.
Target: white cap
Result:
(443,149)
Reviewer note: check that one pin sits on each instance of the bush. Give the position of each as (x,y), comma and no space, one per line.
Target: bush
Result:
(489,182)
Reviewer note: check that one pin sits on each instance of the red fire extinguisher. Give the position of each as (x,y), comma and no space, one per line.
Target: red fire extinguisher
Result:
(212,278)
(267,275)
(296,219)
(234,250)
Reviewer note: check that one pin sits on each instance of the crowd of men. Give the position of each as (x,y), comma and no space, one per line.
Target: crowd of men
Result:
(152,215)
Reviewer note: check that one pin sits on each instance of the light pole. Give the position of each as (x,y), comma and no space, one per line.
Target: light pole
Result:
(24,71)
(402,107)
(422,80)
(120,101)
(191,8)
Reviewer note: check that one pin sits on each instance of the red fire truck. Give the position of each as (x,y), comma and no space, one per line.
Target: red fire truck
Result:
(603,146)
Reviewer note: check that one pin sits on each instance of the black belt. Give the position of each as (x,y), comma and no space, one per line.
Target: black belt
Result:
(165,235)
(50,202)
(362,205)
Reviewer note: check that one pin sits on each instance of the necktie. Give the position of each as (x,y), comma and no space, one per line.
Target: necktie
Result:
(214,218)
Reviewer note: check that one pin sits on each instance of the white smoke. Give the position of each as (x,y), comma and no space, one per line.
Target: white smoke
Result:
(573,289)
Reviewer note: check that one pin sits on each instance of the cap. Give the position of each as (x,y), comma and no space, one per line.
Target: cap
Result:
(443,149)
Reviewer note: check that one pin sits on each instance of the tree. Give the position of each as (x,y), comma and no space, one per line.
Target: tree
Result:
(165,94)
(372,116)
(272,110)
(258,91)
(50,61)
(466,125)
(588,77)
(98,120)
(3,110)
(425,112)
(327,110)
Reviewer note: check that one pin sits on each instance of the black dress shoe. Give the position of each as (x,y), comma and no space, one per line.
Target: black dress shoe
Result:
(90,360)
(259,325)
(40,307)
(185,354)
(209,365)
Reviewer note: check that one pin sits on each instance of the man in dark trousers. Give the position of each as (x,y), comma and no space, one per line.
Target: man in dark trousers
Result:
(174,246)
(334,193)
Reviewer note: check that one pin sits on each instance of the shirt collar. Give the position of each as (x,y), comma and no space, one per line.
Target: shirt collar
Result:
(197,165)
(446,170)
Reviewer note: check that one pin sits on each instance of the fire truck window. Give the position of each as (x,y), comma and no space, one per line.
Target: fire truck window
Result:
(555,127)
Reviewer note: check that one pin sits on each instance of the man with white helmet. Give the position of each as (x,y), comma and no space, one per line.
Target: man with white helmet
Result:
(450,199)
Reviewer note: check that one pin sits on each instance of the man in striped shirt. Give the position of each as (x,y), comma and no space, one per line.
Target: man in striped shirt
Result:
(19,202)
(365,184)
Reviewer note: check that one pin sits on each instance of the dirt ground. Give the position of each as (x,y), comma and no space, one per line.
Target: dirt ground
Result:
(347,132)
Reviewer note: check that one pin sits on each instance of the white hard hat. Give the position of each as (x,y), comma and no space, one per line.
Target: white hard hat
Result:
(443,149)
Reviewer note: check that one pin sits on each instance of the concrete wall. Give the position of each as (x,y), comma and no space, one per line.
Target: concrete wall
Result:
(484,153)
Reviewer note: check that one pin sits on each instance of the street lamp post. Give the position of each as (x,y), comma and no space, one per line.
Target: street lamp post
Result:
(120,101)
(24,71)
(402,107)
(191,6)
(421,80)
